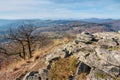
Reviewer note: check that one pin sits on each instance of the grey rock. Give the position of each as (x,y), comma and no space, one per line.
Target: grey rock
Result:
(107,43)
(84,37)
(33,75)
(95,58)
(98,75)
(54,56)
(112,57)
(43,74)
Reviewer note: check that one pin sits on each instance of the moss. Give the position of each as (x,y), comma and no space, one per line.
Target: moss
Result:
(100,75)
(99,59)
(114,48)
(103,75)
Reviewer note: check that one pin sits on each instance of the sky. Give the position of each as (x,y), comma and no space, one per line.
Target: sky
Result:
(59,9)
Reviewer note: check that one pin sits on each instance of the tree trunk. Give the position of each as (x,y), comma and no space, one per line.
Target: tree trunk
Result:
(29,48)
(23,50)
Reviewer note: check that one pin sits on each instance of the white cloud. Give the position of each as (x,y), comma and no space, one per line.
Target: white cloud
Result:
(51,9)
(16,5)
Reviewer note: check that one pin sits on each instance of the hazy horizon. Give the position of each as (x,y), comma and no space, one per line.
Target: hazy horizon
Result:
(52,19)
(59,9)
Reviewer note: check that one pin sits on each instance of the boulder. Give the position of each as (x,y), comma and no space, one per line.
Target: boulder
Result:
(33,75)
(112,57)
(85,37)
(96,74)
(36,75)
(95,61)
(54,56)
(107,43)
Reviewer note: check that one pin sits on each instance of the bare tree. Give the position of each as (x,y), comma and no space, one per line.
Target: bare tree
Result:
(23,41)
(14,36)
(24,37)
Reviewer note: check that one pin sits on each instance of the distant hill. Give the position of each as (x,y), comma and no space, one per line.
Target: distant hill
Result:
(61,26)
(97,20)
(5,24)
(115,25)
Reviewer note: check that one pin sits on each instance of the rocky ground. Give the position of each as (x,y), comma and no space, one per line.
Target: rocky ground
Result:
(98,55)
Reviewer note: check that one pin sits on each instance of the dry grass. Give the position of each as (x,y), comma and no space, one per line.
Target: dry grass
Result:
(82,76)
(13,68)
(62,69)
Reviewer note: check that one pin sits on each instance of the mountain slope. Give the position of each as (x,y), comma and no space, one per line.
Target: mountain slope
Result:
(96,57)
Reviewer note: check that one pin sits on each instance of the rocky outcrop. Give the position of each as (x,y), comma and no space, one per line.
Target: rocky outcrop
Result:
(85,37)
(98,55)
(35,75)
(96,74)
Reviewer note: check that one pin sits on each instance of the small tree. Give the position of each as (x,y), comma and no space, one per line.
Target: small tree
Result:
(27,37)
(23,41)
(14,36)
(23,36)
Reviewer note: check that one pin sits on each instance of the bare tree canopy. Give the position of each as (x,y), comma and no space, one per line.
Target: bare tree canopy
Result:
(23,41)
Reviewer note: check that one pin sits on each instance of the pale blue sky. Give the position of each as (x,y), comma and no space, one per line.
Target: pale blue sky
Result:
(59,9)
